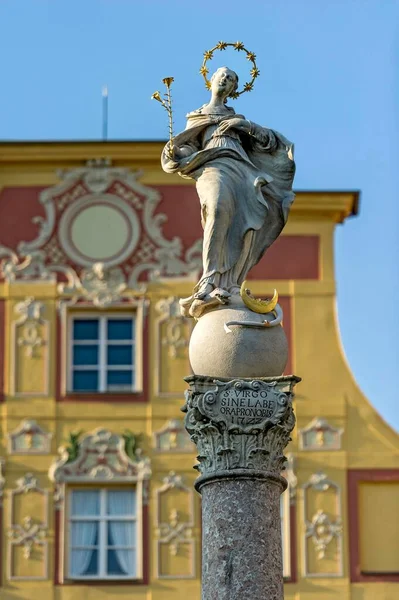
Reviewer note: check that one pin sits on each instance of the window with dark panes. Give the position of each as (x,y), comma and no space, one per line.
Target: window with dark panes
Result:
(102,353)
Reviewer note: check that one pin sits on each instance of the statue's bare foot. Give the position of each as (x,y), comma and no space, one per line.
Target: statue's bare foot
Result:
(221,294)
(217,297)
(198,307)
(193,306)
(185,305)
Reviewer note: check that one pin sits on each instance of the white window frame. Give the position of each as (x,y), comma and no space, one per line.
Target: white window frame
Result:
(137,317)
(285,511)
(103,519)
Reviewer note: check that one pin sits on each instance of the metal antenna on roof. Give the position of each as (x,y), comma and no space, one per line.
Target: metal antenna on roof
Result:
(105,112)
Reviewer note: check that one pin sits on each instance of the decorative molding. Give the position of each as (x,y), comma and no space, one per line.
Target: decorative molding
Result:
(101,456)
(25,332)
(175,533)
(320,482)
(127,234)
(31,318)
(98,284)
(289,474)
(25,484)
(29,438)
(31,532)
(320,435)
(2,480)
(322,531)
(322,528)
(173,437)
(175,338)
(56,251)
(264,417)
(27,535)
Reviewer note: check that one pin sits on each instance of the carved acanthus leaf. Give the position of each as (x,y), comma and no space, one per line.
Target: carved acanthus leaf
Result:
(255,441)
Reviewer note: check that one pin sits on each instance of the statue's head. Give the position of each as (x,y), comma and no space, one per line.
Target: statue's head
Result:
(224,82)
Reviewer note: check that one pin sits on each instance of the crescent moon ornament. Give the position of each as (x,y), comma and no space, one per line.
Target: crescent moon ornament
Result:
(258,306)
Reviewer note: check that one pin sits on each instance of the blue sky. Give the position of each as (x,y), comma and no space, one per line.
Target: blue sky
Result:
(329,82)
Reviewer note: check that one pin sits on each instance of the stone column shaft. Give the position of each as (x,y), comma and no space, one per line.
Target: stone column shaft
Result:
(241,550)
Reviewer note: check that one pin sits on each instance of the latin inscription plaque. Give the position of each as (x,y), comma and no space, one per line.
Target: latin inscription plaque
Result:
(239,402)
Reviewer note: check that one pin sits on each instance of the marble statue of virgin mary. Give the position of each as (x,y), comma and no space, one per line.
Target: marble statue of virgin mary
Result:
(244,174)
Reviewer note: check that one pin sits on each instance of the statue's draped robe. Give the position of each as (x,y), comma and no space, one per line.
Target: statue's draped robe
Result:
(241,215)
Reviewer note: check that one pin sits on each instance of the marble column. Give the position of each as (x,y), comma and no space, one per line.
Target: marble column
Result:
(240,428)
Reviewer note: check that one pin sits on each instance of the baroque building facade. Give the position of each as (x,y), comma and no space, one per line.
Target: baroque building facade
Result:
(96,246)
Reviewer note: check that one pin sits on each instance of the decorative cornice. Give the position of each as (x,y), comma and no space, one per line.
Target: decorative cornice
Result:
(332,205)
(53,153)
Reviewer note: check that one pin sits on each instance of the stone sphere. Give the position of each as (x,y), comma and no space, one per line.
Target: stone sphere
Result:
(245,352)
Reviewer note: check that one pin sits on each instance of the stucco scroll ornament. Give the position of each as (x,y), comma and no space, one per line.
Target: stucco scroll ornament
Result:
(100,456)
(322,531)
(99,284)
(244,174)
(52,256)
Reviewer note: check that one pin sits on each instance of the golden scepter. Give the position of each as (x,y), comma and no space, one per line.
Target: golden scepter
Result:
(166,102)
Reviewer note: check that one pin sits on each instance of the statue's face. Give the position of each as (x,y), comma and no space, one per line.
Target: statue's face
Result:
(223,82)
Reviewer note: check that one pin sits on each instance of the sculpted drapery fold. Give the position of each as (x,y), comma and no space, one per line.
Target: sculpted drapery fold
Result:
(243,175)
